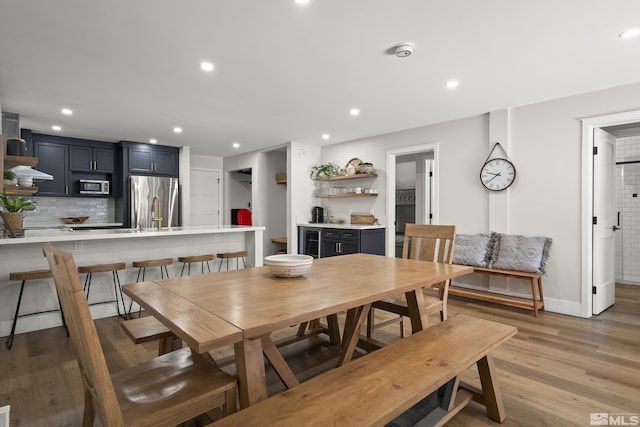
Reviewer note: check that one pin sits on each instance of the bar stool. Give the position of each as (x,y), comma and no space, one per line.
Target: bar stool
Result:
(113,268)
(230,255)
(24,276)
(195,258)
(150,263)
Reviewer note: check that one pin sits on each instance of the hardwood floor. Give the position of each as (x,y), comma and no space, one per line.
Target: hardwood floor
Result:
(554,372)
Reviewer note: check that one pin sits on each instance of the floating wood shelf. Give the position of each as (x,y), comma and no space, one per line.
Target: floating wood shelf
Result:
(281,178)
(20,191)
(341,196)
(343,177)
(11,161)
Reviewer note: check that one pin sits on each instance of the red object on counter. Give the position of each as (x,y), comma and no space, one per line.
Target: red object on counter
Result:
(244,217)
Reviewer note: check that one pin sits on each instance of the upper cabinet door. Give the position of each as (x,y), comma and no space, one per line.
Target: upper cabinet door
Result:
(104,159)
(53,159)
(81,158)
(140,160)
(166,163)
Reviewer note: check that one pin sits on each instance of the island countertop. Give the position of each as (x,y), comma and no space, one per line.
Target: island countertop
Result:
(63,234)
(107,246)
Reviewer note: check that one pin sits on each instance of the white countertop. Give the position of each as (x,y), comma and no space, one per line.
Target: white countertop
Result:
(68,235)
(344,226)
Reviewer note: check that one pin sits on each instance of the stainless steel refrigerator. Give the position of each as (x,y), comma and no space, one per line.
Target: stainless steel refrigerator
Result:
(143,191)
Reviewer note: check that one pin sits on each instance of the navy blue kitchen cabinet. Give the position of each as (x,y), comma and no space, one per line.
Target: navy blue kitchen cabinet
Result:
(53,159)
(340,241)
(93,157)
(145,159)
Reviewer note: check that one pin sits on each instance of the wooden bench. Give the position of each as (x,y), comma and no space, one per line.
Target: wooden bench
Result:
(535,303)
(146,329)
(379,387)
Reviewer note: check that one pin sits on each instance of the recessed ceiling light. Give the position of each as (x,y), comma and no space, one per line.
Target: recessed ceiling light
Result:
(452,84)
(236,145)
(354,112)
(177,129)
(325,136)
(629,34)
(56,128)
(67,111)
(206,66)
(301,2)
(153,141)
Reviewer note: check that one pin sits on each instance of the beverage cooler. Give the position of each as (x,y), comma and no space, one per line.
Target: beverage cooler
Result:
(309,241)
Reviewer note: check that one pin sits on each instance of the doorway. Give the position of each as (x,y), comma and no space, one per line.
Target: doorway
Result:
(592,191)
(205,196)
(421,162)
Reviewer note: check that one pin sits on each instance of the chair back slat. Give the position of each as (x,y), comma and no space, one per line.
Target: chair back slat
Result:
(84,336)
(429,242)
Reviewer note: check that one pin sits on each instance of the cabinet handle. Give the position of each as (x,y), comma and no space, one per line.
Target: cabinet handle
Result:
(66,189)
(95,165)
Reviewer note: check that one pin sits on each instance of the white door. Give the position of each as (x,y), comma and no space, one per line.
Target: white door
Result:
(604,289)
(205,197)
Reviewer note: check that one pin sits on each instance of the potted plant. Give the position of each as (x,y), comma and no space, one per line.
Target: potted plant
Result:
(13,208)
(324,171)
(9,177)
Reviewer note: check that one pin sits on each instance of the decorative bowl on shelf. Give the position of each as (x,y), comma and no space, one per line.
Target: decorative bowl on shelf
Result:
(365,168)
(288,265)
(75,219)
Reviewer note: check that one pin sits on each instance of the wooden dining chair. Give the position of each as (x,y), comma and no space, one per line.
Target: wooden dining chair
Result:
(165,391)
(422,242)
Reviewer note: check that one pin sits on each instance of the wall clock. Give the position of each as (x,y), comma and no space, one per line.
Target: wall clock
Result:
(499,173)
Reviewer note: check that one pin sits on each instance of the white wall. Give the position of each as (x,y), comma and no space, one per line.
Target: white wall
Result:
(275,209)
(300,159)
(206,162)
(545,145)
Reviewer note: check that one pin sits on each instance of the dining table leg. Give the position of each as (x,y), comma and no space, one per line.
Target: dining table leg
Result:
(417,310)
(250,370)
(354,320)
(279,364)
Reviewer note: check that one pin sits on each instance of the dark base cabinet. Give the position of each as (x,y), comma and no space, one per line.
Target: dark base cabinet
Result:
(343,241)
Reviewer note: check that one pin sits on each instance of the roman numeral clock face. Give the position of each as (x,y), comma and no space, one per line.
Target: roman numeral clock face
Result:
(497,174)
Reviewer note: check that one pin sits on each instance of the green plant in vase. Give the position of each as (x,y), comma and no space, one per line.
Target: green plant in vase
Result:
(13,208)
(9,177)
(324,171)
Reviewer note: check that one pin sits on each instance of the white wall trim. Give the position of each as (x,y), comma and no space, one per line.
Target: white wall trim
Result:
(391,185)
(588,125)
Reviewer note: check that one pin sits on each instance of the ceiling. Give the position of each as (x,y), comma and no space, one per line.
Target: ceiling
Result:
(129,70)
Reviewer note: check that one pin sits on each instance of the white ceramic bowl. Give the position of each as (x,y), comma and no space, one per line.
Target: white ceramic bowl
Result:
(288,265)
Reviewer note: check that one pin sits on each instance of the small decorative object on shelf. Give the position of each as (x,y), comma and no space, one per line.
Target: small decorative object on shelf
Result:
(365,167)
(10,177)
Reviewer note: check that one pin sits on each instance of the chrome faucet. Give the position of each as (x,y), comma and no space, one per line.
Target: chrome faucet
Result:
(158,211)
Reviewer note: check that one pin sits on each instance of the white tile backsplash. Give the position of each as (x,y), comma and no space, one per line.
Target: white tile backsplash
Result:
(49,210)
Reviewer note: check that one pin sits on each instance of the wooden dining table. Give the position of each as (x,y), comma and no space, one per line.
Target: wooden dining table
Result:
(243,307)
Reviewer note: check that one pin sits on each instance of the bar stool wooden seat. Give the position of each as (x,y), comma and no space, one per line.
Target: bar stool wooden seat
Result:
(112,268)
(188,260)
(150,263)
(148,328)
(23,276)
(230,255)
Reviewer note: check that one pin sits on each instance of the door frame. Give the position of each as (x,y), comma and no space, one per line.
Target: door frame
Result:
(588,126)
(391,188)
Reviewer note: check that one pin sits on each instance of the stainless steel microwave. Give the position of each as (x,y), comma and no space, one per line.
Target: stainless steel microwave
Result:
(94,186)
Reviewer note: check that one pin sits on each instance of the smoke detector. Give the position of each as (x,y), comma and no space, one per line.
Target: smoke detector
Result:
(404,49)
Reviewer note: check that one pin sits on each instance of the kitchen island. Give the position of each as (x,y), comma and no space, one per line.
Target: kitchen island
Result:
(100,246)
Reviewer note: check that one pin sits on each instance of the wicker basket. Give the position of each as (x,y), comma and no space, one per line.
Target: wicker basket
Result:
(13,220)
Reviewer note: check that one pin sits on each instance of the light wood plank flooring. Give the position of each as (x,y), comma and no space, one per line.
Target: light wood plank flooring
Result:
(554,372)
